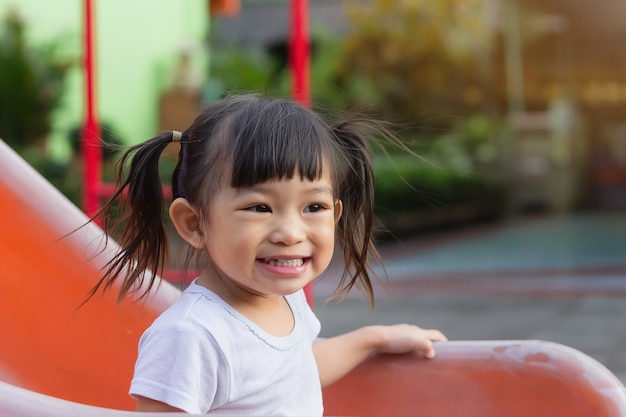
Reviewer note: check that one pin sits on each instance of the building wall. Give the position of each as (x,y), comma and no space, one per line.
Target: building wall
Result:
(264,23)
(137,48)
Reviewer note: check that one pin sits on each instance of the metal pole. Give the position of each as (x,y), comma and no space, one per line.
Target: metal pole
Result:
(91,147)
(300,52)
(300,60)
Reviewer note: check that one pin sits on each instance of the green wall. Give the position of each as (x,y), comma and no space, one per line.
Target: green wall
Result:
(137,49)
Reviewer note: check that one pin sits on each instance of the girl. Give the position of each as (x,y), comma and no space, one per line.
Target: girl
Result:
(263,188)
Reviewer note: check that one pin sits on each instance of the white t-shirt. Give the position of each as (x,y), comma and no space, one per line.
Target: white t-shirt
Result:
(202,356)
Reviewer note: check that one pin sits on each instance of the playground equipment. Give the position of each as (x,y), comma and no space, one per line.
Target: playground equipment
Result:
(57,359)
(47,343)
(513,379)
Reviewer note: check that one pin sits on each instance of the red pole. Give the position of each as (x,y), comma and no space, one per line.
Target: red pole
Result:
(300,61)
(92,151)
(300,52)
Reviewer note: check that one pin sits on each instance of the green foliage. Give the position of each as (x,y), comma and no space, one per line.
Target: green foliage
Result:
(245,70)
(471,143)
(398,69)
(32,81)
(419,55)
(329,89)
(447,185)
(237,70)
(406,183)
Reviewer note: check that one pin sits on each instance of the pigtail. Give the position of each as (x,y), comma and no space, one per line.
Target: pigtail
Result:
(136,210)
(356,190)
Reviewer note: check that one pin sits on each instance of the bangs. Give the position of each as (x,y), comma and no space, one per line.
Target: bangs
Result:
(278,143)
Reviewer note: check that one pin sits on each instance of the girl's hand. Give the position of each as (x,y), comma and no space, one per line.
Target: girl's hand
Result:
(402,338)
(336,356)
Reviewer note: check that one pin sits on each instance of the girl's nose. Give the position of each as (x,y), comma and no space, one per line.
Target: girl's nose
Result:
(288,230)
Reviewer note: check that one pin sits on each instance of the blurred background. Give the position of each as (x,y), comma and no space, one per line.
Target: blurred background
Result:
(515,105)
(511,225)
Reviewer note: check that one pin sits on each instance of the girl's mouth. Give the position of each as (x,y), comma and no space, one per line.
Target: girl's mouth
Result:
(284,263)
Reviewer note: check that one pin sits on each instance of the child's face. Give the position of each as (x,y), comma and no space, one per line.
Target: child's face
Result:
(275,237)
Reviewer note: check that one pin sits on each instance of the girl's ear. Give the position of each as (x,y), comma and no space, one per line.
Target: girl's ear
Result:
(187,222)
(338,210)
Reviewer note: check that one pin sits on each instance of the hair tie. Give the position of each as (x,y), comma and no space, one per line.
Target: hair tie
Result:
(176,135)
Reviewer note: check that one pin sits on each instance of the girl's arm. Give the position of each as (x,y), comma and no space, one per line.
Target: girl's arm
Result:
(336,356)
(150,405)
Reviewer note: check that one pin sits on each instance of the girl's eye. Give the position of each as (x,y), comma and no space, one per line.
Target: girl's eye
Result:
(313,208)
(259,208)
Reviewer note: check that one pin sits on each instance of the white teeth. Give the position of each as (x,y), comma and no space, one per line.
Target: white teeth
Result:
(285,263)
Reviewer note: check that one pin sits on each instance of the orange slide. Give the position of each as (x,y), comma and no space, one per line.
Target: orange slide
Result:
(60,360)
(47,343)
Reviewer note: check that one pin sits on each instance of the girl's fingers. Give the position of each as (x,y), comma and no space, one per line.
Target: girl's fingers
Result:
(431,334)
(435,335)
(405,338)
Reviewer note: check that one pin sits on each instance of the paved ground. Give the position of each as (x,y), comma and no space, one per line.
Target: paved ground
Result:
(560,279)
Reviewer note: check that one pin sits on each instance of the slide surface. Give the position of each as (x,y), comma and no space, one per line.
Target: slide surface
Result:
(47,343)
(57,359)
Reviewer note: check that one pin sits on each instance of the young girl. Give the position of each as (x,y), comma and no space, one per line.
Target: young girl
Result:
(263,188)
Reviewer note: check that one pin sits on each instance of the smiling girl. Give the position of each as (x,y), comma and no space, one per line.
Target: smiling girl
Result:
(263,188)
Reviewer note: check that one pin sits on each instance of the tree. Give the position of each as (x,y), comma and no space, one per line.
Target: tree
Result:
(421,56)
(31,86)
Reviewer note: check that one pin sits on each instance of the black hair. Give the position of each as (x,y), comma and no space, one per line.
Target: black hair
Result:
(239,142)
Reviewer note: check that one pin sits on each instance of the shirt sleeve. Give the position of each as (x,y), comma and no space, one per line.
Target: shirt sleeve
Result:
(181,365)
